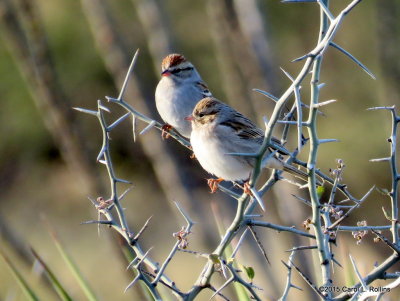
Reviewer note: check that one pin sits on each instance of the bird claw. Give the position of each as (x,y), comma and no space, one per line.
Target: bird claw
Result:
(246,189)
(213,184)
(165,131)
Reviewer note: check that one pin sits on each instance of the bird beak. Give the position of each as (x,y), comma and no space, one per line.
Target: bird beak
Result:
(189,118)
(165,73)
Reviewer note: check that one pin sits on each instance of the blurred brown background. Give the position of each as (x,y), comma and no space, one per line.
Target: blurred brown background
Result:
(55,55)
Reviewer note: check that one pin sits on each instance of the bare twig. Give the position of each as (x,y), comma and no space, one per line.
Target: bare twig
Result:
(289,283)
(358,204)
(278,228)
(259,244)
(176,246)
(309,282)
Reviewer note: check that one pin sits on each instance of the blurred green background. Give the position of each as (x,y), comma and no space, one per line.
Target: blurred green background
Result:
(55,55)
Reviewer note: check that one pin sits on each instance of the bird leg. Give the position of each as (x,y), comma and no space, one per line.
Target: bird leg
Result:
(164,131)
(246,189)
(213,184)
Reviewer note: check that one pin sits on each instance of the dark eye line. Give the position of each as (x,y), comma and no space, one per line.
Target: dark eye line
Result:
(202,114)
(181,69)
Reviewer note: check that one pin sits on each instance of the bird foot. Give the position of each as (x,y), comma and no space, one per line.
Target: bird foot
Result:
(246,189)
(213,184)
(193,156)
(164,131)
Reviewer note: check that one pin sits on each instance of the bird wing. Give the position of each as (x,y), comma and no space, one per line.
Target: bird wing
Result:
(244,128)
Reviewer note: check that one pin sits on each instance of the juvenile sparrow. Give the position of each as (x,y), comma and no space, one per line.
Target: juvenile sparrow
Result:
(217,130)
(178,91)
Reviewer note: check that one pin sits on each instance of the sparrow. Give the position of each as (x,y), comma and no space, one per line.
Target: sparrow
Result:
(219,130)
(177,93)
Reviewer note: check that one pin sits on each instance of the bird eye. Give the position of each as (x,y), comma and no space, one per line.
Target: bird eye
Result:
(201,115)
(178,70)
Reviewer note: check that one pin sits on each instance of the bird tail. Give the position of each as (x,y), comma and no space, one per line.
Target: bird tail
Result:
(295,172)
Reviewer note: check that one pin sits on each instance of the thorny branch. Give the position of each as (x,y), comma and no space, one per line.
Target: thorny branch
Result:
(289,283)
(105,207)
(379,271)
(325,231)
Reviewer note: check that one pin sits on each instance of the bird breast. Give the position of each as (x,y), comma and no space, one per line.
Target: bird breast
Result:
(211,151)
(174,104)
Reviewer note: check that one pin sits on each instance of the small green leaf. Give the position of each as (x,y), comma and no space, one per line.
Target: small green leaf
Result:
(250,272)
(230,260)
(214,258)
(320,191)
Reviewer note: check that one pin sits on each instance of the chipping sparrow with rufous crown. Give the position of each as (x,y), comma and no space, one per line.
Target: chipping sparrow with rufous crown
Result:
(177,93)
(217,130)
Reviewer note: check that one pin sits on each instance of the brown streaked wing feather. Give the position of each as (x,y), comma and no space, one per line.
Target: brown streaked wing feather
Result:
(244,128)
